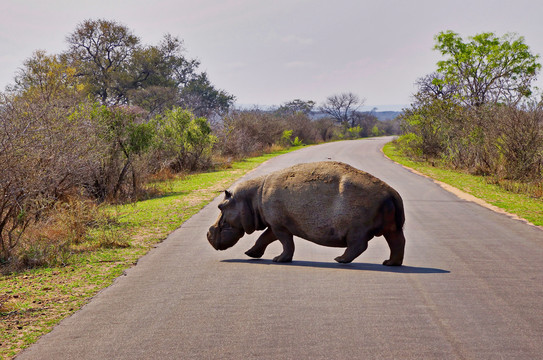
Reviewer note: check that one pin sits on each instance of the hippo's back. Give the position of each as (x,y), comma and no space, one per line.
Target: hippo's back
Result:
(322,198)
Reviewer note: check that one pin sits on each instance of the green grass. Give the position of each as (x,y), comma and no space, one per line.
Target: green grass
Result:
(524,206)
(33,301)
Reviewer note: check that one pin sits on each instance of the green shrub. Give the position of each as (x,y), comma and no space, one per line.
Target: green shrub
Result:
(375,131)
(410,144)
(297,142)
(285,138)
(354,132)
(183,141)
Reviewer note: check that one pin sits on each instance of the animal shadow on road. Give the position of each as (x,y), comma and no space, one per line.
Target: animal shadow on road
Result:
(351,266)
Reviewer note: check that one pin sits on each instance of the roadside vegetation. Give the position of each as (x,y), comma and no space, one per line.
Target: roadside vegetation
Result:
(478,114)
(514,199)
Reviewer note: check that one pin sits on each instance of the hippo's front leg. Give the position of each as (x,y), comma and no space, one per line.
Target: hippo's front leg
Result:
(287,241)
(265,239)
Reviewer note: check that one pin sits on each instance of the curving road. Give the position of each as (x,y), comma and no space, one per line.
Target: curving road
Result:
(472,288)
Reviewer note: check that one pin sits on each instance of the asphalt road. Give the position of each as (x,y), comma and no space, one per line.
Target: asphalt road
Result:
(471,288)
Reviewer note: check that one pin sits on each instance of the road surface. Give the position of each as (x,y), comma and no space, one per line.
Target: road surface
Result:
(471,288)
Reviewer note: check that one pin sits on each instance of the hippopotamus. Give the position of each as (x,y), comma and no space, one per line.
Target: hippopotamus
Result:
(329,203)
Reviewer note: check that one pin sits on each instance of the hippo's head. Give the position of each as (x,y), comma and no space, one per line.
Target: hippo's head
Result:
(228,228)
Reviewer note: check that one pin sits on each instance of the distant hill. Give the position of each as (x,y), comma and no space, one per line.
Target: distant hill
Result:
(386,115)
(380,115)
(316,114)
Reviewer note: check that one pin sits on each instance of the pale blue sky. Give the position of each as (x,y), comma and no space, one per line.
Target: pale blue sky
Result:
(270,52)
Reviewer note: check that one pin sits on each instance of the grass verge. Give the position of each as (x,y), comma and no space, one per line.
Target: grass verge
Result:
(524,206)
(33,301)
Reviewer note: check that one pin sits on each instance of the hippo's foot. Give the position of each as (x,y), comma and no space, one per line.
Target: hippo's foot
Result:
(282,258)
(392,263)
(342,260)
(255,252)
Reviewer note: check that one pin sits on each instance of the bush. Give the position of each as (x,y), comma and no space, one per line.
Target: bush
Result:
(44,156)
(69,226)
(302,127)
(297,142)
(499,140)
(285,138)
(183,141)
(54,143)
(47,241)
(518,141)
(354,132)
(244,133)
(375,131)
(325,129)
(410,145)
(432,122)
(119,166)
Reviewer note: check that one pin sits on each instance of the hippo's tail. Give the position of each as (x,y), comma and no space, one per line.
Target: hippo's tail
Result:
(398,210)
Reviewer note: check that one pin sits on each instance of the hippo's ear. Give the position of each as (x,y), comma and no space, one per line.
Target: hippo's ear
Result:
(227,196)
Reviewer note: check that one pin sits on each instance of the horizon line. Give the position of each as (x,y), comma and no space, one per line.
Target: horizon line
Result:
(365,108)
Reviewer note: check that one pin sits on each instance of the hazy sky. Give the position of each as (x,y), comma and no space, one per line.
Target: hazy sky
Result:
(270,52)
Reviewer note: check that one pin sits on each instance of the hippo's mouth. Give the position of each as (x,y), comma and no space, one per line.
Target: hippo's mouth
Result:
(222,239)
(221,247)
(213,238)
(222,235)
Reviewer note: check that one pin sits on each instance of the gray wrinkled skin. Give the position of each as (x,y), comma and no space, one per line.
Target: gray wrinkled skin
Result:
(328,203)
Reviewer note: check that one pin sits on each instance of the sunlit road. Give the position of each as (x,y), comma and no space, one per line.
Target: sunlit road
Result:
(472,288)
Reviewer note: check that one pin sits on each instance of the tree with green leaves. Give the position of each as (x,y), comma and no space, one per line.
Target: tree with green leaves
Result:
(296,106)
(48,75)
(119,70)
(158,74)
(101,51)
(486,68)
(124,137)
(203,99)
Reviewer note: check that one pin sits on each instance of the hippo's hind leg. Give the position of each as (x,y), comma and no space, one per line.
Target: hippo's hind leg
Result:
(357,243)
(392,230)
(396,243)
(265,239)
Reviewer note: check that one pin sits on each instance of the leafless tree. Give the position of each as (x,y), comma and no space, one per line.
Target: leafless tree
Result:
(432,86)
(342,107)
